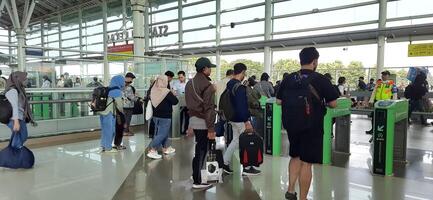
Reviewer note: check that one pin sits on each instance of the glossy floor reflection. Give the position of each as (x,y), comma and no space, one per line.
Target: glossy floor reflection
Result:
(72,171)
(348,177)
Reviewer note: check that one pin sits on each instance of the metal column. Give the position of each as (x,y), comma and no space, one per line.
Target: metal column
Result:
(218,39)
(104,28)
(146,28)
(138,8)
(381,39)
(268,36)
(180,23)
(80,30)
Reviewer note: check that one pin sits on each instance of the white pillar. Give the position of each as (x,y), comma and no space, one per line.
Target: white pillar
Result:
(381,39)
(218,38)
(138,8)
(104,29)
(268,36)
(21,55)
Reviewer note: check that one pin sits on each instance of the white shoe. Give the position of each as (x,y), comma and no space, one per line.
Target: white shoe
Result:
(113,150)
(153,154)
(169,150)
(201,186)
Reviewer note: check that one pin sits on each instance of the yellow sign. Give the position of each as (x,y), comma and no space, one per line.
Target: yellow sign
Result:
(119,57)
(416,50)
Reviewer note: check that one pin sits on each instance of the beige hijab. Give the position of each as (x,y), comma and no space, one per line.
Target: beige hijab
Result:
(159,90)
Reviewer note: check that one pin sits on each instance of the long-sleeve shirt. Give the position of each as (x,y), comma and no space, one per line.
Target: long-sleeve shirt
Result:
(265,88)
(165,108)
(239,102)
(17,106)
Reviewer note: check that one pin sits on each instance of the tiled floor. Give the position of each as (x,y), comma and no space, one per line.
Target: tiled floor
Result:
(78,171)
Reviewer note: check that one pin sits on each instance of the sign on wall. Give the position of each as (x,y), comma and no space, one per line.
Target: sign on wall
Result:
(127,49)
(417,50)
(156,31)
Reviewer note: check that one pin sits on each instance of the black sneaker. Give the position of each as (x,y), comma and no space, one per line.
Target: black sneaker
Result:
(227,169)
(291,196)
(251,172)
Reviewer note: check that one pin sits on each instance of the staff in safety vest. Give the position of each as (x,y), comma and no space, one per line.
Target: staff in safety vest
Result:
(385,89)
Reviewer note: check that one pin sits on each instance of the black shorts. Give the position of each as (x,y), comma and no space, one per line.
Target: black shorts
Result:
(307,145)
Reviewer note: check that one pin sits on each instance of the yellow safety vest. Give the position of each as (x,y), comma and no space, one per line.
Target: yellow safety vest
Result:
(384,90)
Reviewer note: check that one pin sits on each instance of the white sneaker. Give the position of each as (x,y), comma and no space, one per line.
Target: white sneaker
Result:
(169,150)
(201,186)
(153,154)
(113,150)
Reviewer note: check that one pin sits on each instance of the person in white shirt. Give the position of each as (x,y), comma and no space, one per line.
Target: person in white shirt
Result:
(179,90)
(179,85)
(46,82)
(222,84)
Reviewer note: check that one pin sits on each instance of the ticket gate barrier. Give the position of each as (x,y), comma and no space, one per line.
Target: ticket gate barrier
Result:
(273,127)
(41,111)
(341,114)
(175,122)
(389,135)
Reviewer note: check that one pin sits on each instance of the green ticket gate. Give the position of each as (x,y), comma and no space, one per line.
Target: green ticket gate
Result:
(341,114)
(390,135)
(41,111)
(273,122)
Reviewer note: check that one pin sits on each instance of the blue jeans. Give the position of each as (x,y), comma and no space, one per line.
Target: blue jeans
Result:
(18,139)
(107,130)
(162,129)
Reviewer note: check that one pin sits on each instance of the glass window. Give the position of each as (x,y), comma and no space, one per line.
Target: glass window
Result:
(404,8)
(199,35)
(51,38)
(162,4)
(326,31)
(199,22)
(226,4)
(33,41)
(169,40)
(243,30)
(70,21)
(94,39)
(93,30)
(249,39)
(164,16)
(243,15)
(199,9)
(346,16)
(410,22)
(70,34)
(95,47)
(115,26)
(70,43)
(206,44)
(295,6)
(114,10)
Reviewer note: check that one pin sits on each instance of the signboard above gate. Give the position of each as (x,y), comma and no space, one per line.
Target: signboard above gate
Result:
(417,50)
(154,32)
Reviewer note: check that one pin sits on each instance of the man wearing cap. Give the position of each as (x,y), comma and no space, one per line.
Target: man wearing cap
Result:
(129,98)
(385,89)
(199,96)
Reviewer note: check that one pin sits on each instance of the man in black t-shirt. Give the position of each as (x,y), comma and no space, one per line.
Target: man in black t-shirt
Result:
(305,143)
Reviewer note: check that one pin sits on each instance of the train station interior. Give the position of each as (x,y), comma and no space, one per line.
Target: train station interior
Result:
(372,150)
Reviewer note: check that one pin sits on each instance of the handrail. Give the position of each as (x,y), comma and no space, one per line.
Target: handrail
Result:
(60,101)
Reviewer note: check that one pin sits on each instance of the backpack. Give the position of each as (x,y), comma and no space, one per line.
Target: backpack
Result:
(250,149)
(225,104)
(297,102)
(100,99)
(6,109)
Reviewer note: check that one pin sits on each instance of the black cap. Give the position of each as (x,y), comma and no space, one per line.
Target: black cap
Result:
(202,63)
(130,75)
(386,72)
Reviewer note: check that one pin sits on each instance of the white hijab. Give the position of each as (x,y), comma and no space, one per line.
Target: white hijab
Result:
(159,90)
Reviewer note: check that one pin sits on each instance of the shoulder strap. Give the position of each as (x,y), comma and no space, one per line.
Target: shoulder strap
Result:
(311,87)
(195,92)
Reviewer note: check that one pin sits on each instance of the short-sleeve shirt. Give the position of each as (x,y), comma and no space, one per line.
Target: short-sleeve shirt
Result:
(325,90)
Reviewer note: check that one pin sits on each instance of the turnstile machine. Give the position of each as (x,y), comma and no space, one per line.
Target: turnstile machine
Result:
(273,122)
(390,135)
(341,114)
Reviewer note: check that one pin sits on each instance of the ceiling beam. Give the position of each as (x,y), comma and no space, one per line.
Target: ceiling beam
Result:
(46,6)
(29,14)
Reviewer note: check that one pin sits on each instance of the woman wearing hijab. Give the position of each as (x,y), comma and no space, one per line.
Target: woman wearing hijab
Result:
(21,112)
(107,117)
(162,100)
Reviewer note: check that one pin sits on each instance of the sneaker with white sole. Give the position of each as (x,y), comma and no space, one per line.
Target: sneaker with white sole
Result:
(113,150)
(153,154)
(169,150)
(201,186)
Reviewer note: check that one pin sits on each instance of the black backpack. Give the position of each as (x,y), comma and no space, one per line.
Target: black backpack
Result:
(100,99)
(298,98)
(6,109)
(250,149)
(225,104)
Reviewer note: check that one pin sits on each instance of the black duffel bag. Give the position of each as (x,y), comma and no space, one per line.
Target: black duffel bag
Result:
(16,158)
